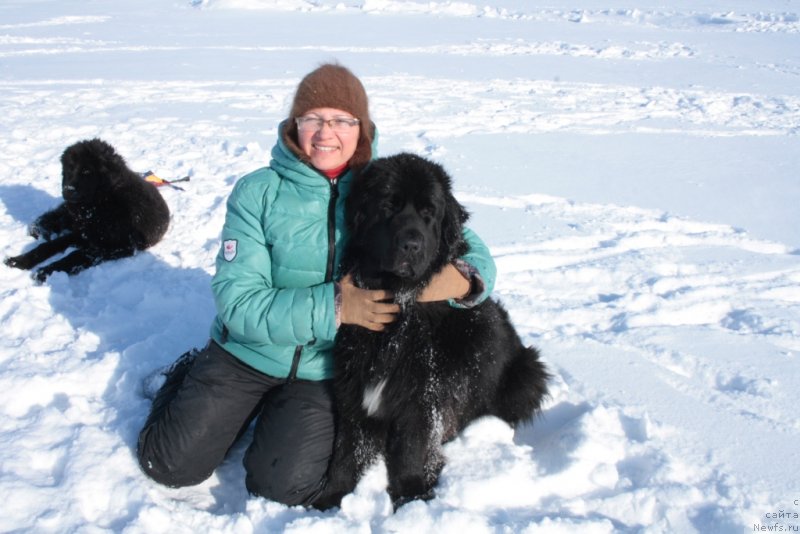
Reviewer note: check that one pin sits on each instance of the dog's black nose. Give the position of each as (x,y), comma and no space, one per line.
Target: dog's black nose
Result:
(410,242)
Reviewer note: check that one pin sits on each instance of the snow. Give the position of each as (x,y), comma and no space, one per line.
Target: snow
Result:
(632,165)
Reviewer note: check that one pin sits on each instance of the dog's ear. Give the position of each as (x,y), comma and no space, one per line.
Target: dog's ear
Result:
(68,157)
(355,220)
(367,186)
(107,154)
(455,216)
(354,213)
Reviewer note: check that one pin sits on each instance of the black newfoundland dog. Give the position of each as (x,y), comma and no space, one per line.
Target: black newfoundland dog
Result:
(109,212)
(400,394)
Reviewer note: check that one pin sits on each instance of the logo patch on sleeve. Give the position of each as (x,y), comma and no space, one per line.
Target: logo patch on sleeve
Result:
(229,249)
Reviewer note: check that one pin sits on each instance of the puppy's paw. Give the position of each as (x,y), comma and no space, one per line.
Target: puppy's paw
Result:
(18,262)
(39,276)
(35,231)
(39,231)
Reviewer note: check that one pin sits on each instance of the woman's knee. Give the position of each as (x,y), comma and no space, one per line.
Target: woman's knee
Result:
(157,462)
(284,480)
(292,444)
(194,421)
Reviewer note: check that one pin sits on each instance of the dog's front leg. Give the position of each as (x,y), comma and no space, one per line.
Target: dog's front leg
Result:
(72,263)
(83,258)
(47,249)
(352,454)
(51,223)
(413,462)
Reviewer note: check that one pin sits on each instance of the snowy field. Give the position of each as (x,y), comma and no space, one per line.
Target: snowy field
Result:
(633,166)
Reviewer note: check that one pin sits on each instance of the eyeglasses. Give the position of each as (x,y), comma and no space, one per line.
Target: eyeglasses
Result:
(340,125)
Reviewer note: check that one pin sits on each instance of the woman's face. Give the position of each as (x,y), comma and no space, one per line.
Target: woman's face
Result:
(328,147)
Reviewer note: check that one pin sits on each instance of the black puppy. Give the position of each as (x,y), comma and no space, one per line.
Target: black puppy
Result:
(402,393)
(109,212)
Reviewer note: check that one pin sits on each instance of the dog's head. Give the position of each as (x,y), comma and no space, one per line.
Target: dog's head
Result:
(88,167)
(404,223)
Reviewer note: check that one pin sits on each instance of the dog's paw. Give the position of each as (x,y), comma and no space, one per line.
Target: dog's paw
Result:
(328,500)
(18,262)
(39,276)
(402,500)
(35,231)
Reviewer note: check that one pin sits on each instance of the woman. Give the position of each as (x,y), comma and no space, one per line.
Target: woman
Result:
(279,305)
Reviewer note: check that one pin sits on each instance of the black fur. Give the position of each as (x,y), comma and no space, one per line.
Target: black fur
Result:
(108,212)
(437,367)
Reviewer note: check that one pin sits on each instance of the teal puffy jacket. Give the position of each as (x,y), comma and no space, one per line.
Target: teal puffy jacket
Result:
(274,285)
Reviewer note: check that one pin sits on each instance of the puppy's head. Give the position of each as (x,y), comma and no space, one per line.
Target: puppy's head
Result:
(404,222)
(86,168)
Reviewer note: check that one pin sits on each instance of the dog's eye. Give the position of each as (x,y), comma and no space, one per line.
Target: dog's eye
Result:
(391,205)
(427,213)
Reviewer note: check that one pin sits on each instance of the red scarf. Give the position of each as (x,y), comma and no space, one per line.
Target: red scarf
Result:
(333,174)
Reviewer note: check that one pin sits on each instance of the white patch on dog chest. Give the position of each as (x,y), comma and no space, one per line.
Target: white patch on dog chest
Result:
(372,398)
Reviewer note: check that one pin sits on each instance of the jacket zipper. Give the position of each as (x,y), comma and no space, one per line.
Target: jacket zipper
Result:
(298,351)
(332,229)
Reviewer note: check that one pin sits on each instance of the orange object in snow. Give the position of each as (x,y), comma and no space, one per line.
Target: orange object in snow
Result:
(150,176)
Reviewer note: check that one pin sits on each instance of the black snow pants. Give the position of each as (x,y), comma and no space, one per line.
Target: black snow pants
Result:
(201,410)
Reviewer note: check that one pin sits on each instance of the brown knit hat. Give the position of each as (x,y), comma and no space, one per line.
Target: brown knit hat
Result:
(332,86)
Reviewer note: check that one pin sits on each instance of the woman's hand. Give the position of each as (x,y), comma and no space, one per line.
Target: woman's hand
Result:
(371,308)
(448,283)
